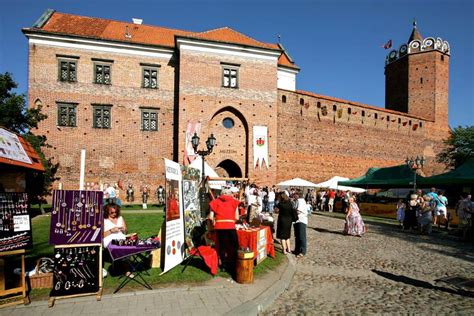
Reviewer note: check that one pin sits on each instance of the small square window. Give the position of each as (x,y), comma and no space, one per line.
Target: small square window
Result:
(67,114)
(150,77)
(102,73)
(101,116)
(230,77)
(67,70)
(150,120)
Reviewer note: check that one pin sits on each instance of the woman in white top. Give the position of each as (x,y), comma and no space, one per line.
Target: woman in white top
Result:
(300,226)
(114,224)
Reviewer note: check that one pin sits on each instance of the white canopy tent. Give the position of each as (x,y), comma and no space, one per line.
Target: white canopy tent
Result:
(208,172)
(333,184)
(297,182)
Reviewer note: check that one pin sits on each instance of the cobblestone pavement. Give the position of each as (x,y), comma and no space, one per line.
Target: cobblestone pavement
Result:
(386,271)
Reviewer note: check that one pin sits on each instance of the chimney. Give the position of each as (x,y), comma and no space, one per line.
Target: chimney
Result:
(127,33)
(137,21)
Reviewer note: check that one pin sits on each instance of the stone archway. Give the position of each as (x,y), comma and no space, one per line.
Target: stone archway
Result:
(230,156)
(229,168)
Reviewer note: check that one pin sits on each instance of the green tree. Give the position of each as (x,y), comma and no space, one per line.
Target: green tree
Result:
(459,147)
(18,118)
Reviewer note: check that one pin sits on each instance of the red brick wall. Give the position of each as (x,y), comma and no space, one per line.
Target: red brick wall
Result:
(316,147)
(201,98)
(123,152)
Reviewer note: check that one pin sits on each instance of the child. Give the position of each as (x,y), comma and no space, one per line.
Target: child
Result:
(400,212)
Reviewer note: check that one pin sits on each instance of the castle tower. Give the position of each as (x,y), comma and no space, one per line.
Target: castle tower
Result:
(417,78)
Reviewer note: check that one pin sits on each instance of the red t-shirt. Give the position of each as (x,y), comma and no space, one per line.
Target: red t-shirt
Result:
(332,194)
(224,211)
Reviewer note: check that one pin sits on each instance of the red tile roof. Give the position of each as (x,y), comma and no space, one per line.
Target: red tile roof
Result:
(104,29)
(30,151)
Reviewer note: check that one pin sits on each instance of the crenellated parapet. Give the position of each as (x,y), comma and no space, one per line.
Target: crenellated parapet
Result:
(417,46)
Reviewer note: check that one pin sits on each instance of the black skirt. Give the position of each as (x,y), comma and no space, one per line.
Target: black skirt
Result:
(285,210)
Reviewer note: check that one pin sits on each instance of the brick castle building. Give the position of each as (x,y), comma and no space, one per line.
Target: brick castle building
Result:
(128,93)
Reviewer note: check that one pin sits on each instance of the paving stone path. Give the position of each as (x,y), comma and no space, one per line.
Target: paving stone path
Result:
(386,271)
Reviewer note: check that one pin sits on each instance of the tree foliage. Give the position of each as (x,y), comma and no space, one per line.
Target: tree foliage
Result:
(16,117)
(459,147)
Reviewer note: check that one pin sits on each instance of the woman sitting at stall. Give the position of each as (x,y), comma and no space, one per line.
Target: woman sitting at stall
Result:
(114,224)
(224,213)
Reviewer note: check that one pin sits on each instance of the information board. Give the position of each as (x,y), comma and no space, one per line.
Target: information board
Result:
(15,221)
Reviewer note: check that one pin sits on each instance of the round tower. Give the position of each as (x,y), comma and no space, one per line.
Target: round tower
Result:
(417,78)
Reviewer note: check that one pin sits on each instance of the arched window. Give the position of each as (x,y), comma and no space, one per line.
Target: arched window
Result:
(283,98)
(334,107)
(301,101)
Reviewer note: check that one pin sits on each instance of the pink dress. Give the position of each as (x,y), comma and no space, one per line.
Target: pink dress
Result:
(354,225)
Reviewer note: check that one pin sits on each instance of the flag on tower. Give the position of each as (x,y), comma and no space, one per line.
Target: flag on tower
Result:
(388,44)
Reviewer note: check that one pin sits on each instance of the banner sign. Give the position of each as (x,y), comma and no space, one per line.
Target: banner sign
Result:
(189,154)
(174,231)
(191,206)
(260,146)
(76,217)
(11,148)
(15,221)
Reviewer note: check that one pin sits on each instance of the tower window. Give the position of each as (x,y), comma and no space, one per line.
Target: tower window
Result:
(409,122)
(349,111)
(399,120)
(421,80)
(388,118)
(230,76)
(376,116)
(334,107)
(442,59)
(318,105)
(421,124)
(283,98)
(301,101)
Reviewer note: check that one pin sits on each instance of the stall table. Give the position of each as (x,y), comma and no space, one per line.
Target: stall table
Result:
(251,238)
(135,257)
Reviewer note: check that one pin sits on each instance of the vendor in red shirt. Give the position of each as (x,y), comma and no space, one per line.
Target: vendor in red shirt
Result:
(224,213)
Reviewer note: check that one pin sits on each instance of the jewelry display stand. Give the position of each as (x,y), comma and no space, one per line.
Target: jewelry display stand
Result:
(71,269)
(21,297)
(76,231)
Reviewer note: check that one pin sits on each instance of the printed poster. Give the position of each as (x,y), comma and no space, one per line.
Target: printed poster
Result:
(260,146)
(189,154)
(174,229)
(192,208)
(11,148)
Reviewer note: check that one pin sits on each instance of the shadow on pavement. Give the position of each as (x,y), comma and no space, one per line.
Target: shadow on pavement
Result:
(420,283)
(323,230)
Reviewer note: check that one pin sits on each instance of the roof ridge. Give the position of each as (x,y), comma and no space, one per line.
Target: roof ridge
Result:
(112,20)
(230,28)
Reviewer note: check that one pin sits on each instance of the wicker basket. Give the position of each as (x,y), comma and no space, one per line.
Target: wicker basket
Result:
(41,280)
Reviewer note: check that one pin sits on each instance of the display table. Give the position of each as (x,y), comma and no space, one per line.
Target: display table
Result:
(135,257)
(252,238)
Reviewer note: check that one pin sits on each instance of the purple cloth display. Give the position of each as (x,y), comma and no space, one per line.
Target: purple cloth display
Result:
(120,252)
(76,217)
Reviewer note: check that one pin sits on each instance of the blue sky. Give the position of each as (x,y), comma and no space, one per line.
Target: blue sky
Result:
(337,44)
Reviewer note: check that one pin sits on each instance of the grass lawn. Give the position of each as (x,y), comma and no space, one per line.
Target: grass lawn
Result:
(145,225)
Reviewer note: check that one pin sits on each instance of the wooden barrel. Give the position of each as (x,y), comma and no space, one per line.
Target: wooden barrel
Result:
(244,268)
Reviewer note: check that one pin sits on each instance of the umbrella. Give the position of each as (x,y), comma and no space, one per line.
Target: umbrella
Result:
(297,182)
(333,184)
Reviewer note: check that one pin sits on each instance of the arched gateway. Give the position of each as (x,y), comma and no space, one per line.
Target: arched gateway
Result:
(232,151)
